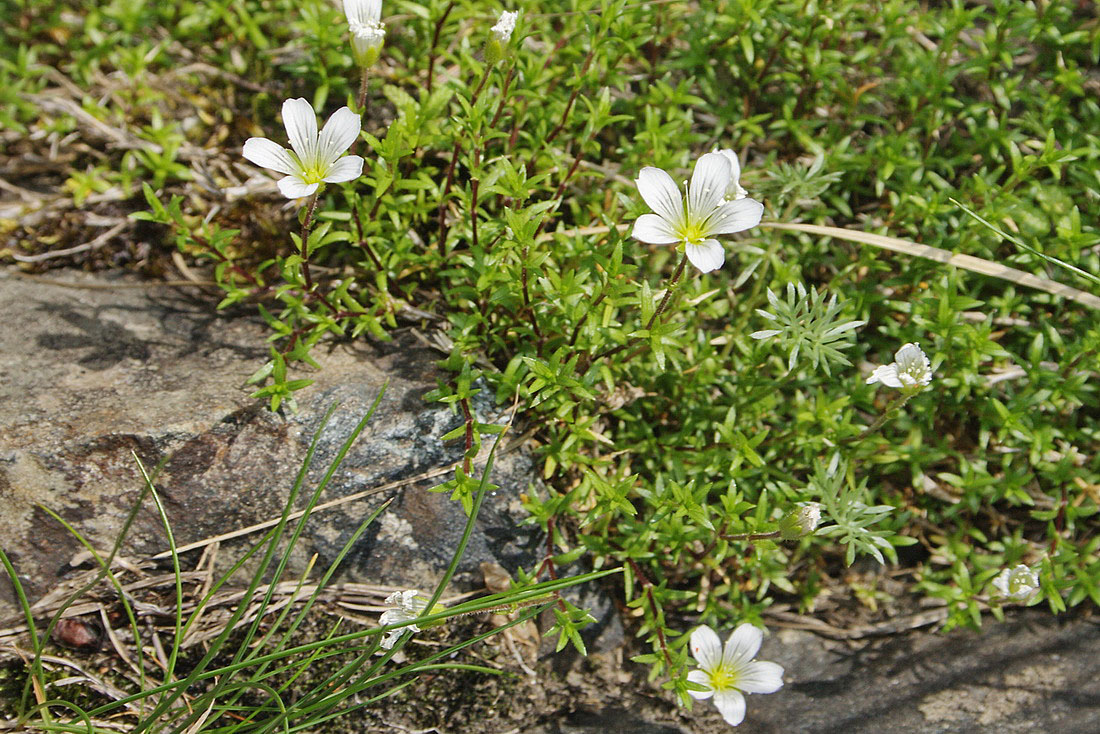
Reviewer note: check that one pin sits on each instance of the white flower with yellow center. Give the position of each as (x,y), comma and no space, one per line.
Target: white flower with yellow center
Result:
(367,30)
(730,672)
(314,158)
(910,369)
(1017,584)
(694,222)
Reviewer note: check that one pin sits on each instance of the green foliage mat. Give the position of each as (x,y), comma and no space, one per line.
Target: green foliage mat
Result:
(495,209)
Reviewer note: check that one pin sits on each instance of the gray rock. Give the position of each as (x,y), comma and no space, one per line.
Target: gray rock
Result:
(1034,673)
(90,377)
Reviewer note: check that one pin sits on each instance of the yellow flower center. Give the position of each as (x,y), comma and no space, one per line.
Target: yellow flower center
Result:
(693,233)
(313,174)
(310,171)
(722,678)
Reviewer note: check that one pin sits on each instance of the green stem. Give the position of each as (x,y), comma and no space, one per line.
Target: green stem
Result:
(752,536)
(897,404)
(307,225)
(361,101)
(656,314)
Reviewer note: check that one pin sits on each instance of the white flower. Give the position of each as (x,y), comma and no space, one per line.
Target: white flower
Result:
(367,30)
(313,159)
(1018,584)
(909,369)
(801,521)
(731,672)
(705,213)
(734,191)
(407,606)
(504,27)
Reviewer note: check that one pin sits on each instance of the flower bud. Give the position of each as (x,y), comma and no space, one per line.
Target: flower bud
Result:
(501,34)
(367,30)
(800,522)
(366,43)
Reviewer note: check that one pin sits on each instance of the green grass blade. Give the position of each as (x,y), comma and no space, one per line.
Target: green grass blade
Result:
(1095,280)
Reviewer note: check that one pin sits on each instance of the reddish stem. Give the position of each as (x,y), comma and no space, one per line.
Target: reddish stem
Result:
(503,96)
(572,98)
(465,403)
(443,199)
(435,42)
(306,226)
(654,317)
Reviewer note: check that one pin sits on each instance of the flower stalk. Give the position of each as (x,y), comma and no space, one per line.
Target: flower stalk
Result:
(652,319)
(895,405)
(307,227)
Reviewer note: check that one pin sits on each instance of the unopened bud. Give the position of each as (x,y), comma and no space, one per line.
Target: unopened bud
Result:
(366,43)
(501,34)
(800,522)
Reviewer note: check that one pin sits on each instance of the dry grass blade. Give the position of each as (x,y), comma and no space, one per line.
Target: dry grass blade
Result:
(967,262)
(95,244)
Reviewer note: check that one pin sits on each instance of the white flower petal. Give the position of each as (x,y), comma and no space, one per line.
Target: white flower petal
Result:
(655,230)
(731,704)
(887,374)
(708,185)
(700,677)
(908,353)
(911,361)
(339,133)
(301,129)
(1019,583)
(735,216)
(391,637)
(293,187)
(268,154)
(347,168)
(760,677)
(734,190)
(661,194)
(706,648)
(708,255)
(363,11)
(505,26)
(742,645)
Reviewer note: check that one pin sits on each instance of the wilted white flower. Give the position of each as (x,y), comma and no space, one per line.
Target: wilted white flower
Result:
(694,222)
(407,606)
(502,31)
(734,191)
(313,159)
(801,521)
(729,673)
(1018,584)
(367,30)
(909,369)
